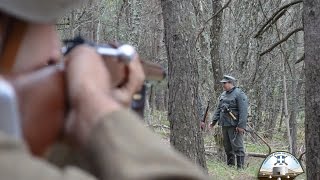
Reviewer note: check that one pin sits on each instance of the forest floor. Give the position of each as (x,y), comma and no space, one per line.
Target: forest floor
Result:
(218,169)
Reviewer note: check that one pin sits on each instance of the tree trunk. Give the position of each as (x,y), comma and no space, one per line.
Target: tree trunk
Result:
(215,35)
(272,116)
(71,23)
(312,88)
(183,77)
(281,116)
(294,104)
(286,114)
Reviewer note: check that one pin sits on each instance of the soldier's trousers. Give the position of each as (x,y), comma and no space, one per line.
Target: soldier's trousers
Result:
(232,141)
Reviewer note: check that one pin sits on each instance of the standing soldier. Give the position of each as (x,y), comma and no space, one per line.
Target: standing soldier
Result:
(232,113)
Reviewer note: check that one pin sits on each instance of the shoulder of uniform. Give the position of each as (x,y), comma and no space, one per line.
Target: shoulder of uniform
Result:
(222,94)
(240,91)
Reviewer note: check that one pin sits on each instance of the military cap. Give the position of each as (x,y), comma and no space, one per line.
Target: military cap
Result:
(38,11)
(227,78)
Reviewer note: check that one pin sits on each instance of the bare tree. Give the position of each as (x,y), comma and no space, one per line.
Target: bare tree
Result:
(215,34)
(182,80)
(312,98)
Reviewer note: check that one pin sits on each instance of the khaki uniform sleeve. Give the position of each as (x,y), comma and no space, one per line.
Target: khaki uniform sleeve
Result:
(121,147)
(17,164)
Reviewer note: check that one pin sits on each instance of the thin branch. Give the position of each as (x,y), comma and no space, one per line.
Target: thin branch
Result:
(62,24)
(300,157)
(207,21)
(83,13)
(260,5)
(76,23)
(274,15)
(300,59)
(281,41)
(261,138)
(270,24)
(286,58)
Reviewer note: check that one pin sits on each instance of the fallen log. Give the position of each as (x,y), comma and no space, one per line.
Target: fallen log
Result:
(259,155)
(249,154)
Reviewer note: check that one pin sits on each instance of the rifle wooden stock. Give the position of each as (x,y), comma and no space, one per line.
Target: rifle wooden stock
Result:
(232,115)
(154,72)
(205,117)
(43,100)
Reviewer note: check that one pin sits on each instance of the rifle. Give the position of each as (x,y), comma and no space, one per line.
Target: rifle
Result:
(205,117)
(226,108)
(41,93)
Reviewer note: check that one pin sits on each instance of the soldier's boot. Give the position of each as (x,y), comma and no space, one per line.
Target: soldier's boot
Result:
(240,162)
(230,160)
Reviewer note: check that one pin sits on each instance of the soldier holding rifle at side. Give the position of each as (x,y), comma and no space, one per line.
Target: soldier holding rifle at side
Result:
(231,113)
(98,122)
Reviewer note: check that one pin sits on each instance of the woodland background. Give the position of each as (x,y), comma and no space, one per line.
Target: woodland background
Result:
(260,42)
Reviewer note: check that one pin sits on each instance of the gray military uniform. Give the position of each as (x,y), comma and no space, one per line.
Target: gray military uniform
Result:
(237,102)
